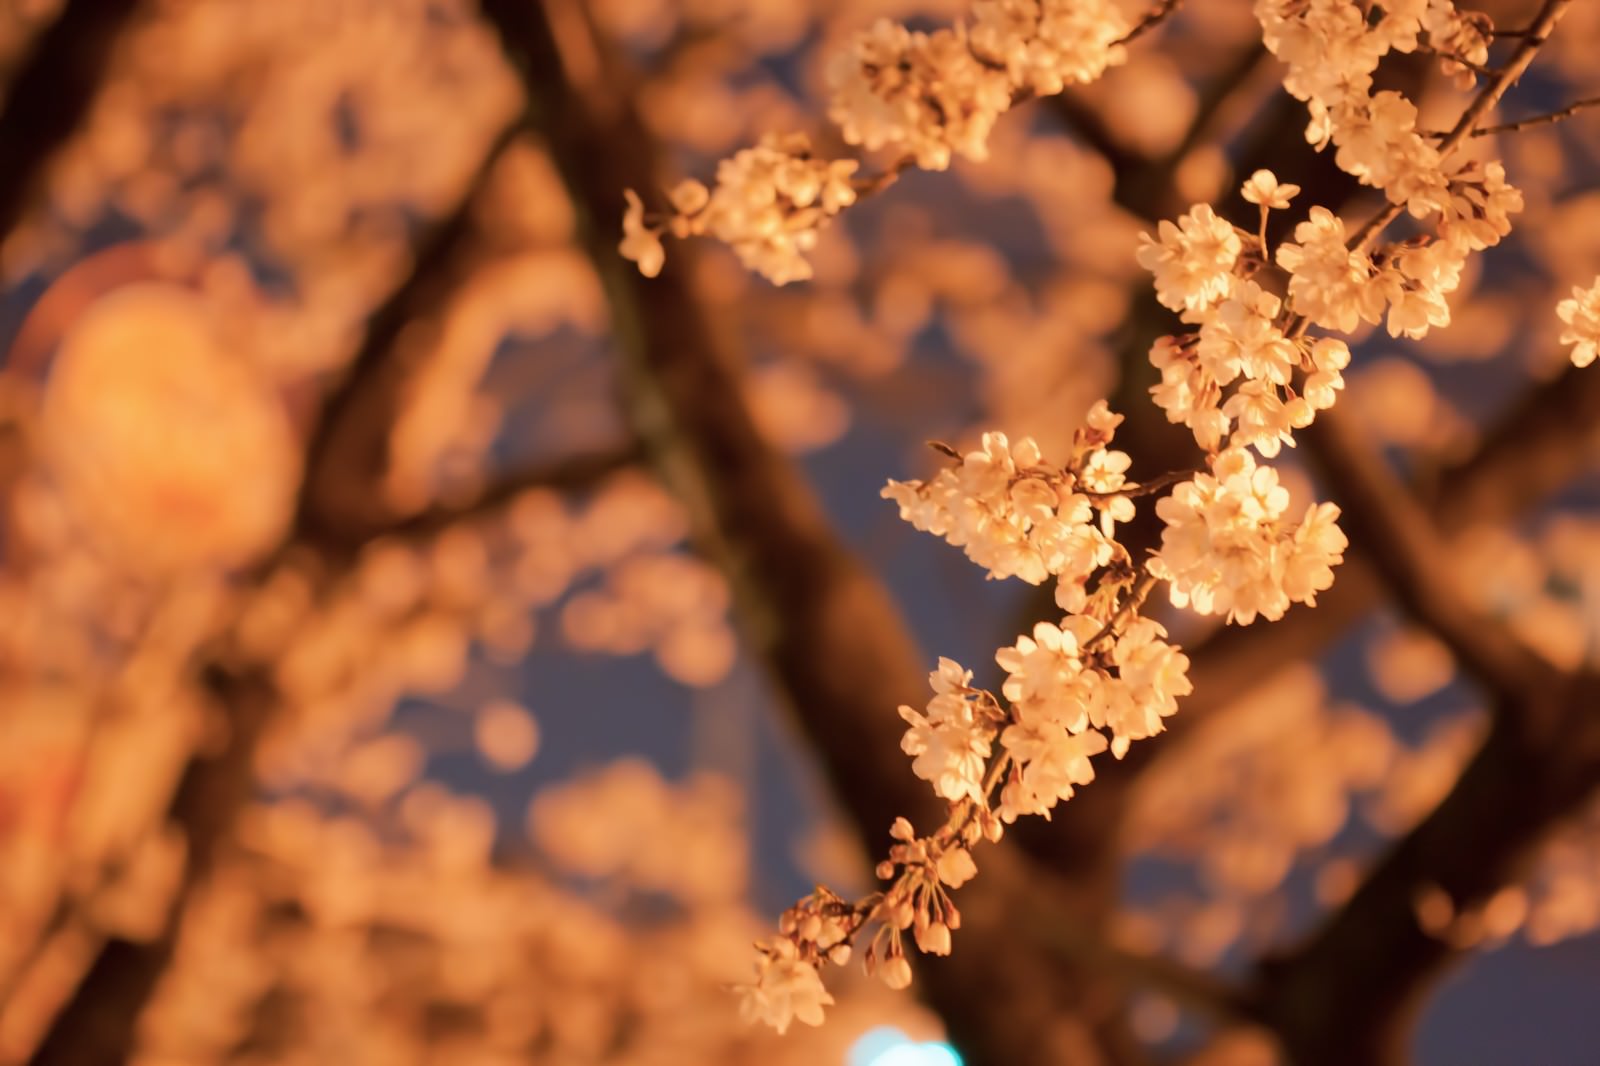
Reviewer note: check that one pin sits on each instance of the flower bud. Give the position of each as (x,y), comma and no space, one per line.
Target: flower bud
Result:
(934,938)
(895,972)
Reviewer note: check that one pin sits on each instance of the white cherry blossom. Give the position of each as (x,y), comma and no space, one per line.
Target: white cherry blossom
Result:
(786,988)
(1581,314)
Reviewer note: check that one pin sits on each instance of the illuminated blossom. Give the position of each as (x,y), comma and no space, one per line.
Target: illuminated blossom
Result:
(1328,283)
(1193,260)
(786,988)
(1581,313)
(1047,44)
(1263,188)
(1227,550)
(950,743)
(925,93)
(641,243)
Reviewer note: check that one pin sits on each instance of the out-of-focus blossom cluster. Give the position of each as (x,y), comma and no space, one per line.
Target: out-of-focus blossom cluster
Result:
(1252,792)
(323,936)
(625,824)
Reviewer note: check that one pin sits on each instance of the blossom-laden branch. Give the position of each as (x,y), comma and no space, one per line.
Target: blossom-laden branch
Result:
(1499,82)
(803,595)
(1243,379)
(928,96)
(1203,265)
(1099,680)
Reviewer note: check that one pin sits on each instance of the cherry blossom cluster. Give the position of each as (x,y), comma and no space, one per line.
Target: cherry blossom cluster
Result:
(768,204)
(1248,374)
(1581,314)
(1243,342)
(1227,548)
(927,96)
(1046,45)
(1068,685)
(1097,680)
(1332,48)
(820,927)
(935,95)
(1016,516)
(1243,378)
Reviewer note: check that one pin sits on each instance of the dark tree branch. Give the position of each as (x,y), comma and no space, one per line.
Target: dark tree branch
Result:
(51,94)
(96,1027)
(335,513)
(1548,439)
(834,643)
(1144,186)
(1089,127)
(1380,512)
(341,505)
(574,473)
(1351,991)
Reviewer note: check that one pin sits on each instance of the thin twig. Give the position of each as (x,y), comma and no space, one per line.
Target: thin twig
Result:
(1130,604)
(1462,61)
(1150,21)
(871,186)
(1539,120)
(1153,485)
(1538,33)
(569,474)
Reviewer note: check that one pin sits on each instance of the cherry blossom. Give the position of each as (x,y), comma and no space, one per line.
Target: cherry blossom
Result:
(1581,313)
(786,988)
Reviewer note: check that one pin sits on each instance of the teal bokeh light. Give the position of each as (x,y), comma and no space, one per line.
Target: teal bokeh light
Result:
(890,1047)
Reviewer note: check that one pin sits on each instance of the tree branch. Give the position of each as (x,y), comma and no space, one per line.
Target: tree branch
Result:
(340,504)
(1144,186)
(1350,992)
(1380,513)
(97,1024)
(51,94)
(335,513)
(831,637)
(569,474)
